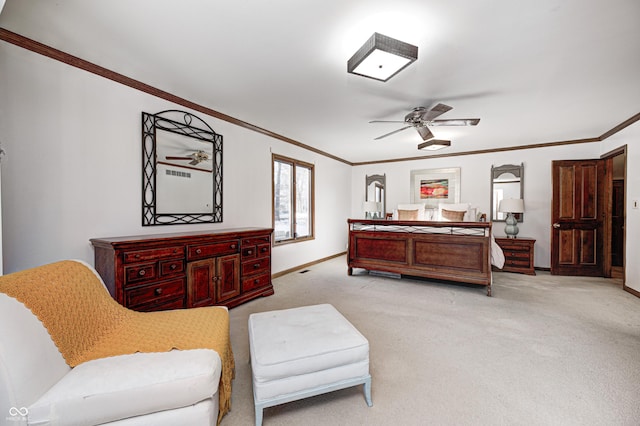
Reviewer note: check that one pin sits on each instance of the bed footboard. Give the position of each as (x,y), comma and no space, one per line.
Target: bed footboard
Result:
(450,251)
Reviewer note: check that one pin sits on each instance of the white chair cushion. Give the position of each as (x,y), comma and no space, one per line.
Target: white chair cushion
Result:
(304,340)
(30,362)
(119,387)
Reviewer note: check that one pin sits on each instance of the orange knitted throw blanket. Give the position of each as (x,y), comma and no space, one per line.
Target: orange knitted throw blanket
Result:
(85,323)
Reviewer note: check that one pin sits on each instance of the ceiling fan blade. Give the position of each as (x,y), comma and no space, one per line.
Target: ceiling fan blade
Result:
(395,131)
(435,112)
(386,121)
(455,122)
(178,158)
(425,133)
(195,162)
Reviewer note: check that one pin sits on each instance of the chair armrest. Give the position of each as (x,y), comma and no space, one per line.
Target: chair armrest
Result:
(114,388)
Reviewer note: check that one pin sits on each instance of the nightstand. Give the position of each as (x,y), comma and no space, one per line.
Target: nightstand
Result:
(518,254)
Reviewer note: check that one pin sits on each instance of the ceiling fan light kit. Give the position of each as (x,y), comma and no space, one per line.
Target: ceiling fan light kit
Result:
(434,144)
(382,57)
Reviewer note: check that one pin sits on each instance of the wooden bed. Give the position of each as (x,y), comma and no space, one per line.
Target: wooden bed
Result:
(451,251)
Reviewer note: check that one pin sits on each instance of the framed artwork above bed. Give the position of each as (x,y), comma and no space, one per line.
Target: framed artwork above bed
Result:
(434,186)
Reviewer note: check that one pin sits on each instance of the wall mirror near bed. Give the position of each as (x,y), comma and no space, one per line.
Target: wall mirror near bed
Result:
(181,170)
(507,181)
(375,192)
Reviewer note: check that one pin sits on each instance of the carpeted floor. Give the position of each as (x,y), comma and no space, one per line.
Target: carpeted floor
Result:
(544,350)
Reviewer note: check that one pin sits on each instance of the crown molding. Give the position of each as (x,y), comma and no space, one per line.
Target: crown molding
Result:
(58,55)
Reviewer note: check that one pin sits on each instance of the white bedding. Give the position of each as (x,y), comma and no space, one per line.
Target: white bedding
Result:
(497,256)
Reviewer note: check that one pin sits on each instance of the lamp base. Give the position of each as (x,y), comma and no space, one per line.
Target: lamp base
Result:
(512,226)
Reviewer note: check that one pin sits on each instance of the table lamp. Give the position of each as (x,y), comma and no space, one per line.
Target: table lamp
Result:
(511,206)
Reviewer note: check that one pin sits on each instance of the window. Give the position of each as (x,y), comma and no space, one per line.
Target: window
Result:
(292,200)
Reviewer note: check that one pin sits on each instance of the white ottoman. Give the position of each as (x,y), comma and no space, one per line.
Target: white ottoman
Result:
(302,352)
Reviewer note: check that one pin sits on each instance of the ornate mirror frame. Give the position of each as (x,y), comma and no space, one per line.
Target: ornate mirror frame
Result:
(180,124)
(375,190)
(506,174)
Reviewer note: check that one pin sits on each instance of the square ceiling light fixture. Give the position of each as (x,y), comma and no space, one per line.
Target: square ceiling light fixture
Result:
(434,144)
(382,57)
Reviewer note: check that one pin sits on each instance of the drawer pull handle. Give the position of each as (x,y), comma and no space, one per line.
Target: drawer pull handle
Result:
(198,251)
(233,246)
(142,272)
(175,250)
(173,266)
(158,291)
(264,249)
(137,256)
(249,251)
(256,281)
(256,265)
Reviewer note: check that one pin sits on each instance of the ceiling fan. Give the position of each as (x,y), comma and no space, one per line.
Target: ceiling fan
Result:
(196,158)
(421,119)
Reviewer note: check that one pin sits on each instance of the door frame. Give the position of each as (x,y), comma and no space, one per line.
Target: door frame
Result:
(622,150)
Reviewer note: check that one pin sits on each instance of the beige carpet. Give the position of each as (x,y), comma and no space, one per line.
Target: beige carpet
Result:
(543,350)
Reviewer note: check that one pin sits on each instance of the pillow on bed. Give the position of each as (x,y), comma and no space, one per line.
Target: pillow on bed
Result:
(459,207)
(452,215)
(407,214)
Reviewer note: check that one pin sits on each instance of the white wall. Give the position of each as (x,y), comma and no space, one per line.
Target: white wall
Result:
(72,172)
(475,186)
(630,137)
(73,168)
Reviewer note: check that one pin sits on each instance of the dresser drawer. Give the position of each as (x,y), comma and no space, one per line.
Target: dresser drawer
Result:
(263,250)
(256,240)
(152,254)
(520,263)
(256,282)
(161,306)
(516,254)
(171,267)
(200,251)
(514,248)
(140,273)
(256,266)
(155,294)
(248,252)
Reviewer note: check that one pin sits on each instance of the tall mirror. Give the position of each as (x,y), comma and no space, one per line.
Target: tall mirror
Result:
(181,170)
(375,197)
(507,181)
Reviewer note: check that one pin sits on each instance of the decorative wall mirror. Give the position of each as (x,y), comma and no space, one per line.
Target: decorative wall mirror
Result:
(507,181)
(375,193)
(181,170)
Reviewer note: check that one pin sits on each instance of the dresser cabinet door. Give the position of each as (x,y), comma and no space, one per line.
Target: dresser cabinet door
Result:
(228,277)
(200,283)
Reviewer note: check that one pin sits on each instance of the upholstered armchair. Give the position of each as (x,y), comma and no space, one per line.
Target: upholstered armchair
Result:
(70,355)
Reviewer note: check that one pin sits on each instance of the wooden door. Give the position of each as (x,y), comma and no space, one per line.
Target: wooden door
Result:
(200,283)
(578,213)
(227,281)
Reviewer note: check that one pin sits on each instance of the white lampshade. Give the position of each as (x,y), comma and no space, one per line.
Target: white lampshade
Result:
(372,206)
(511,205)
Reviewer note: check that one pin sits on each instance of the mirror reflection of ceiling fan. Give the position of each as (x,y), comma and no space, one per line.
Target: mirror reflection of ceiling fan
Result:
(421,119)
(196,158)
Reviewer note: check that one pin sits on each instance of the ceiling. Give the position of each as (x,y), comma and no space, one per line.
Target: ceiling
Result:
(533,72)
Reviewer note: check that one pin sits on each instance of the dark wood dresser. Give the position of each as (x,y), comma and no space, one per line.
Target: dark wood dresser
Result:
(518,254)
(186,270)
